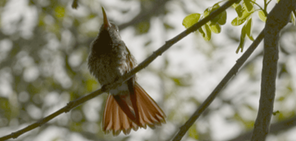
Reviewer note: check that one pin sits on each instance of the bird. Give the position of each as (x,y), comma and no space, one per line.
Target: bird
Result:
(128,106)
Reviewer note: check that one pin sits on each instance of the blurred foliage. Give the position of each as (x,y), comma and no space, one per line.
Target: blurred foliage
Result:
(43,51)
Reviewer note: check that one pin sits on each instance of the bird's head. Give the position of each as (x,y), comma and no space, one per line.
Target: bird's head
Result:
(108,28)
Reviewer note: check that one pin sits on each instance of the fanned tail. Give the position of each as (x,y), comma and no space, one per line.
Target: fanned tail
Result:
(115,120)
(121,115)
(149,112)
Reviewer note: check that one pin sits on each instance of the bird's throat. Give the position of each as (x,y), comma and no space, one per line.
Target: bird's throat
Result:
(103,43)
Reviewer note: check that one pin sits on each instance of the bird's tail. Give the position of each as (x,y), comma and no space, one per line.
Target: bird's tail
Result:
(131,111)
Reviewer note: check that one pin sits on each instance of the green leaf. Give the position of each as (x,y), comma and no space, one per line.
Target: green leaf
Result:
(262,16)
(208,32)
(239,10)
(223,17)
(203,34)
(240,20)
(215,27)
(207,12)
(235,22)
(248,28)
(190,20)
(216,19)
(248,5)
(241,41)
(215,7)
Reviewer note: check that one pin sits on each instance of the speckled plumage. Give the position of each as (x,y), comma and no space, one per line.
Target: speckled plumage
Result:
(109,58)
(128,106)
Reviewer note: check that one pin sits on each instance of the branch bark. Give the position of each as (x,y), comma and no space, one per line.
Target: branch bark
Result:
(276,20)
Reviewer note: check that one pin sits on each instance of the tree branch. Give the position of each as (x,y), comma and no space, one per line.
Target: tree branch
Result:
(65,109)
(215,92)
(276,20)
(107,87)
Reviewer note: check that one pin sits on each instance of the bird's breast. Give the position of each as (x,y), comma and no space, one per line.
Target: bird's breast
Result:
(108,67)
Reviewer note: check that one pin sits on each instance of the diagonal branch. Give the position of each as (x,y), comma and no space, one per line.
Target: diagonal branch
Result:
(276,20)
(223,82)
(107,87)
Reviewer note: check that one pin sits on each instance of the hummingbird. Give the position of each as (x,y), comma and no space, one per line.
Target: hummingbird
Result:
(128,106)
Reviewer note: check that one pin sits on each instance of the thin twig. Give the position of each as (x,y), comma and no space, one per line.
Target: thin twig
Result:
(65,109)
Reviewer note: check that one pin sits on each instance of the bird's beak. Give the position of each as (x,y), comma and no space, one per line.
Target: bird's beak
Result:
(106,21)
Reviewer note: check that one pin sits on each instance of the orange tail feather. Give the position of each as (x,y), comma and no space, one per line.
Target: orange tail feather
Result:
(117,119)
(149,112)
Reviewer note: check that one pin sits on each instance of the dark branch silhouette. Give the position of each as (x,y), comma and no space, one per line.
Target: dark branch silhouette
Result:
(107,87)
(276,20)
(223,82)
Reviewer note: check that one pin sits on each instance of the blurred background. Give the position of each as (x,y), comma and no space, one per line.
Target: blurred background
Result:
(44,46)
